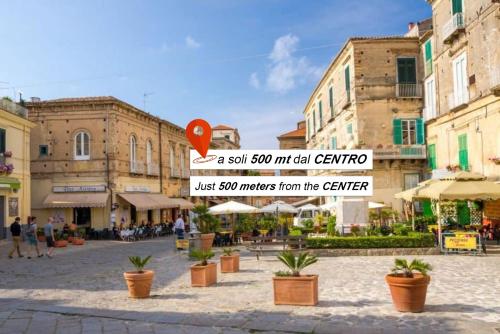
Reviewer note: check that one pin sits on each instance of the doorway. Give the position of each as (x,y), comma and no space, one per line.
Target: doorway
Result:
(150,216)
(133,214)
(82,216)
(2,218)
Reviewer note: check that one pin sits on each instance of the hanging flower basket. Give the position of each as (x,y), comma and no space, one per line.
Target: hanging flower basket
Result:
(6,169)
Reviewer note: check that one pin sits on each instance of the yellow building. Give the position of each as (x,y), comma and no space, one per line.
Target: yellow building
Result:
(15,187)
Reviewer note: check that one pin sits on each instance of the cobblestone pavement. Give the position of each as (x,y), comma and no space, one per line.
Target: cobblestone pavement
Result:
(81,290)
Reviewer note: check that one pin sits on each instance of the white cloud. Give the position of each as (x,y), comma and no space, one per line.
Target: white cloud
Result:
(254,80)
(287,70)
(191,43)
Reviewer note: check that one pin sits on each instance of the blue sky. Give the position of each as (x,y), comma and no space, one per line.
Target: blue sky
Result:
(246,63)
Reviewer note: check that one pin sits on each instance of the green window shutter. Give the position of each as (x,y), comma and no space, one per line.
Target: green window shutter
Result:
(347,79)
(349,128)
(308,128)
(420,131)
(334,143)
(407,71)
(2,141)
(314,121)
(463,154)
(320,107)
(397,131)
(428,50)
(456,6)
(330,99)
(431,156)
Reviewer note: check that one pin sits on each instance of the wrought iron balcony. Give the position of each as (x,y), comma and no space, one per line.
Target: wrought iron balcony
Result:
(400,152)
(453,27)
(408,90)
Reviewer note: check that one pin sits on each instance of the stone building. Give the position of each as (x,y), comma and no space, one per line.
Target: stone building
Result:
(225,137)
(371,97)
(462,90)
(99,160)
(15,186)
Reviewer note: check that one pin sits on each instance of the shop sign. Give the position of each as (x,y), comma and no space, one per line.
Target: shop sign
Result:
(137,189)
(492,209)
(182,244)
(79,189)
(460,241)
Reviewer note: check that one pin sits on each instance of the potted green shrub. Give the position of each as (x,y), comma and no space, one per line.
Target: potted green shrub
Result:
(330,227)
(139,281)
(230,261)
(59,241)
(292,288)
(203,273)
(207,224)
(408,284)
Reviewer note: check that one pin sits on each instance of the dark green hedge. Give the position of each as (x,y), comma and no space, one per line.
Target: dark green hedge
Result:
(412,241)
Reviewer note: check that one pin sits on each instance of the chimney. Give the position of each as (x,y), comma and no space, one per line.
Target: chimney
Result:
(411,25)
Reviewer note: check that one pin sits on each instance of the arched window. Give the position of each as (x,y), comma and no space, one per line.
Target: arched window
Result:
(82,146)
(172,159)
(181,159)
(133,153)
(149,156)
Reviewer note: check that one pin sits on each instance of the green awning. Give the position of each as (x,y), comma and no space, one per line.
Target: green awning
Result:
(9,182)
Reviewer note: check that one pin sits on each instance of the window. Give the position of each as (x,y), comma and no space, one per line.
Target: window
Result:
(149,156)
(82,146)
(314,121)
(463,154)
(133,153)
(456,6)
(349,128)
(407,72)
(460,89)
(320,107)
(411,180)
(322,147)
(227,137)
(172,158)
(334,143)
(430,99)
(347,79)
(428,57)
(408,131)
(3,143)
(308,128)
(431,156)
(330,100)
(43,150)
(181,158)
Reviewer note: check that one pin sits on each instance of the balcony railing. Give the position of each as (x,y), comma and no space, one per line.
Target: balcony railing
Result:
(136,167)
(185,174)
(400,152)
(428,67)
(175,173)
(455,100)
(13,108)
(453,27)
(408,90)
(153,169)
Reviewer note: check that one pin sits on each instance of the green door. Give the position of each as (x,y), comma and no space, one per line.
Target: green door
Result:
(463,213)
(407,73)
(463,154)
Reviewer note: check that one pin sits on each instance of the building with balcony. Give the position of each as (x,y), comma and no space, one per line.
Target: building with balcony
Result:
(462,91)
(15,185)
(371,97)
(99,160)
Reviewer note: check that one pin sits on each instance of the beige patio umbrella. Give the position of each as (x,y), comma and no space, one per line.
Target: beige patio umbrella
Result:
(411,194)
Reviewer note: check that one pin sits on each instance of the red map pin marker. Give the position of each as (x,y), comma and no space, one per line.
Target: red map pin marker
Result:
(199,133)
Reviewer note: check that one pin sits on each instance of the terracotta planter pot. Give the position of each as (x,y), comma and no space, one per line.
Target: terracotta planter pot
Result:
(41,238)
(204,275)
(78,241)
(70,239)
(139,284)
(299,290)
(206,241)
(230,263)
(408,294)
(61,243)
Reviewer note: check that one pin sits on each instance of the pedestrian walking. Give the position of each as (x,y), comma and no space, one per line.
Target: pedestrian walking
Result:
(48,230)
(15,230)
(31,237)
(179,227)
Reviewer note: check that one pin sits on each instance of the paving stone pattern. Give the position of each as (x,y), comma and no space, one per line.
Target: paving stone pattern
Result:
(81,290)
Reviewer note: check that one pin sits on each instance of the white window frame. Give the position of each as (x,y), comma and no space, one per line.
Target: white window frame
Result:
(133,151)
(181,160)
(82,156)
(405,123)
(149,156)
(460,80)
(172,158)
(430,98)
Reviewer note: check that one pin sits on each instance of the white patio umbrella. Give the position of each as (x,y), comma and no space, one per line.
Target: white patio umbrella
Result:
(328,206)
(375,205)
(277,208)
(308,207)
(232,207)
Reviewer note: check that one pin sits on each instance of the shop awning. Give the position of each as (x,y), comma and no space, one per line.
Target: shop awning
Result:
(183,203)
(144,201)
(76,200)
(7,182)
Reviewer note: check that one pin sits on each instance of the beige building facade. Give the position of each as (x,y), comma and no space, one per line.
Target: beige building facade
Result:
(98,161)
(371,97)
(15,185)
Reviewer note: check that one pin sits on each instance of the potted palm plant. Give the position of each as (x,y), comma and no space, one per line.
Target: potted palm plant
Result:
(207,224)
(292,288)
(408,284)
(203,273)
(79,237)
(139,281)
(60,240)
(230,261)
